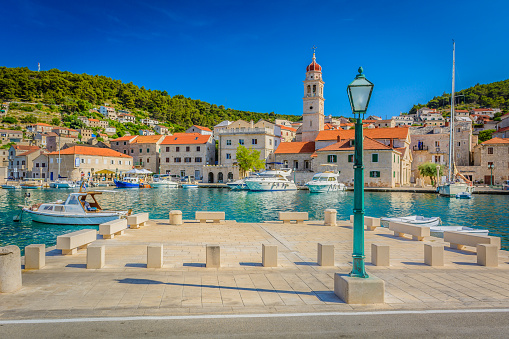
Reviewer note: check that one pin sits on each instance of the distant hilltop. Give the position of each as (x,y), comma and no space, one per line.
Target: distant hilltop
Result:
(79,93)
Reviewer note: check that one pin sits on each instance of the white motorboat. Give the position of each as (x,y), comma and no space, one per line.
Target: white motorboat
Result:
(79,208)
(454,188)
(163,180)
(418,220)
(325,182)
(505,185)
(464,195)
(463,229)
(31,183)
(11,185)
(272,180)
(62,184)
(241,183)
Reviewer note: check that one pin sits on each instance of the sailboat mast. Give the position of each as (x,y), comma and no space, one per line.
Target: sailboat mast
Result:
(451,124)
(58,178)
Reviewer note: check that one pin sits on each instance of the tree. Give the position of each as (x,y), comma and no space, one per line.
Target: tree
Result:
(29,119)
(248,159)
(429,169)
(9,120)
(55,121)
(485,135)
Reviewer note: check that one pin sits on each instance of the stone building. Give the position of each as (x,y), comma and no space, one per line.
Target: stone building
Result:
(78,161)
(288,134)
(199,129)
(143,149)
(185,154)
(20,160)
(220,173)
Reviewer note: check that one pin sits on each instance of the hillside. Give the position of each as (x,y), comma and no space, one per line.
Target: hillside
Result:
(494,95)
(77,93)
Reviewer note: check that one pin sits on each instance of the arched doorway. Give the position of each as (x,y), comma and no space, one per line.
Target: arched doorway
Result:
(211,177)
(230,176)
(220,177)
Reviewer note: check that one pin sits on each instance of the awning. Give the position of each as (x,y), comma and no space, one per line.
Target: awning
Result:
(104,171)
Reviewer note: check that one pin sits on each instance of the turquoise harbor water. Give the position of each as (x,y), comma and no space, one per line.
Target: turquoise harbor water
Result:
(483,211)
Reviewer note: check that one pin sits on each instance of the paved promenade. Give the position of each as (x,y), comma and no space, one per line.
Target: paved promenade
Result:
(125,287)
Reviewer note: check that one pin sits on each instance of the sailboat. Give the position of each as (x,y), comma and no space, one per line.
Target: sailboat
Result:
(61,182)
(454,185)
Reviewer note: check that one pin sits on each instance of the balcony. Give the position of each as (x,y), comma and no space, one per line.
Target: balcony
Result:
(420,148)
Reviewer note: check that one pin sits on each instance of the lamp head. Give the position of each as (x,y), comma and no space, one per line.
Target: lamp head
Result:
(359,93)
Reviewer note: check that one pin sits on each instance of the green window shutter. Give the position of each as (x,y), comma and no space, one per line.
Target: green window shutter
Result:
(350,158)
(374,157)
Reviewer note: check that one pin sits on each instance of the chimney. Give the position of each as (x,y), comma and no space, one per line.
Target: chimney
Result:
(338,138)
(391,143)
(252,124)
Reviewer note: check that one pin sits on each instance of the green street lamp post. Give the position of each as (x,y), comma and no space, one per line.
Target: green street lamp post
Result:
(359,93)
(491,167)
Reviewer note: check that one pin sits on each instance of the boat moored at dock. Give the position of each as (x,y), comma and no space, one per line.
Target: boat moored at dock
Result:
(272,180)
(325,182)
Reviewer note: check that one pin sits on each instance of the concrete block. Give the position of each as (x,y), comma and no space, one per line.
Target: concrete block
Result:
(155,256)
(330,217)
(288,217)
(380,255)
(10,269)
(137,220)
(175,217)
(35,256)
(371,223)
(269,255)
(213,256)
(70,243)
(325,255)
(354,290)
(487,255)
(203,216)
(434,254)
(96,256)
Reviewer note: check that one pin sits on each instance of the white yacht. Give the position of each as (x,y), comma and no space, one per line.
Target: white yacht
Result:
(62,184)
(272,180)
(416,220)
(325,182)
(163,180)
(75,210)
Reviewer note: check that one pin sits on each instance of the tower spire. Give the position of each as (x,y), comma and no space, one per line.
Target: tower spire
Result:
(314,50)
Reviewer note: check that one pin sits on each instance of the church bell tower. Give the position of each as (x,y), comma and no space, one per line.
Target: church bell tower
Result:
(313,113)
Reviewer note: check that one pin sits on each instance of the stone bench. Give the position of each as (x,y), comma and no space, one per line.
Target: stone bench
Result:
(70,243)
(216,217)
(298,217)
(137,220)
(459,240)
(371,223)
(112,228)
(417,232)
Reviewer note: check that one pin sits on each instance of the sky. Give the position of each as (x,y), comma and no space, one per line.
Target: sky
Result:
(252,55)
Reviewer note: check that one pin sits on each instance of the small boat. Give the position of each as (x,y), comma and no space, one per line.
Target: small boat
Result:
(127,182)
(189,186)
(416,220)
(62,184)
(462,229)
(464,195)
(31,184)
(325,182)
(505,185)
(239,185)
(163,180)
(272,180)
(13,185)
(79,208)
(145,185)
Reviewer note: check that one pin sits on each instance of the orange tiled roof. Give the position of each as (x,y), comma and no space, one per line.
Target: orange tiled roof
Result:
(147,139)
(202,128)
(125,138)
(185,139)
(42,124)
(344,145)
(496,141)
(25,148)
(295,147)
(85,150)
(288,128)
(329,126)
(29,152)
(482,109)
(92,119)
(375,133)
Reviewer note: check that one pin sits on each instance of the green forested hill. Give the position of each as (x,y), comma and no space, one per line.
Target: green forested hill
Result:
(494,95)
(77,93)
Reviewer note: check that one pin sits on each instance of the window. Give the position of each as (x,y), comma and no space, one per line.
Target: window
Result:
(125,152)
(270,142)
(148,150)
(113,162)
(228,156)
(459,144)
(228,142)
(132,151)
(188,148)
(241,141)
(198,148)
(82,160)
(187,159)
(490,150)
(125,143)
(167,149)
(148,160)
(36,164)
(350,157)
(197,159)
(374,174)
(141,150)
(306,164)
(254,141)
(167,159)
(458,130)
(177,160)
(332,158)
(117,143)
(394,174)
(437,143)
(43,164)
(295,164)
(374,157)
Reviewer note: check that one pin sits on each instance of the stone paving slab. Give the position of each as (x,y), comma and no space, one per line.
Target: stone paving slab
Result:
(65,288)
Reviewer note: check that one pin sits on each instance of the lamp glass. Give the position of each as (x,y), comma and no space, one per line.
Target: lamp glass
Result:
(359,93)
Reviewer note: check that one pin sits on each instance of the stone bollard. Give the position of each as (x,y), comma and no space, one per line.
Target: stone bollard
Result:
(330,217)
(325,255)
(213,256)
(175,217)
(434,254)
(155,256)
(35,256)
(269,255)
(96,256)
(10,269)
(380,255)
(487,255)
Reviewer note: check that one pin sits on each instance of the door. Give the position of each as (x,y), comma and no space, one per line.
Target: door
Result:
(197,175)
(488,179)
(51,176)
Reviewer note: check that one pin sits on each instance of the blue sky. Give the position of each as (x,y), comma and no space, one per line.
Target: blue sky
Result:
(252,55)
